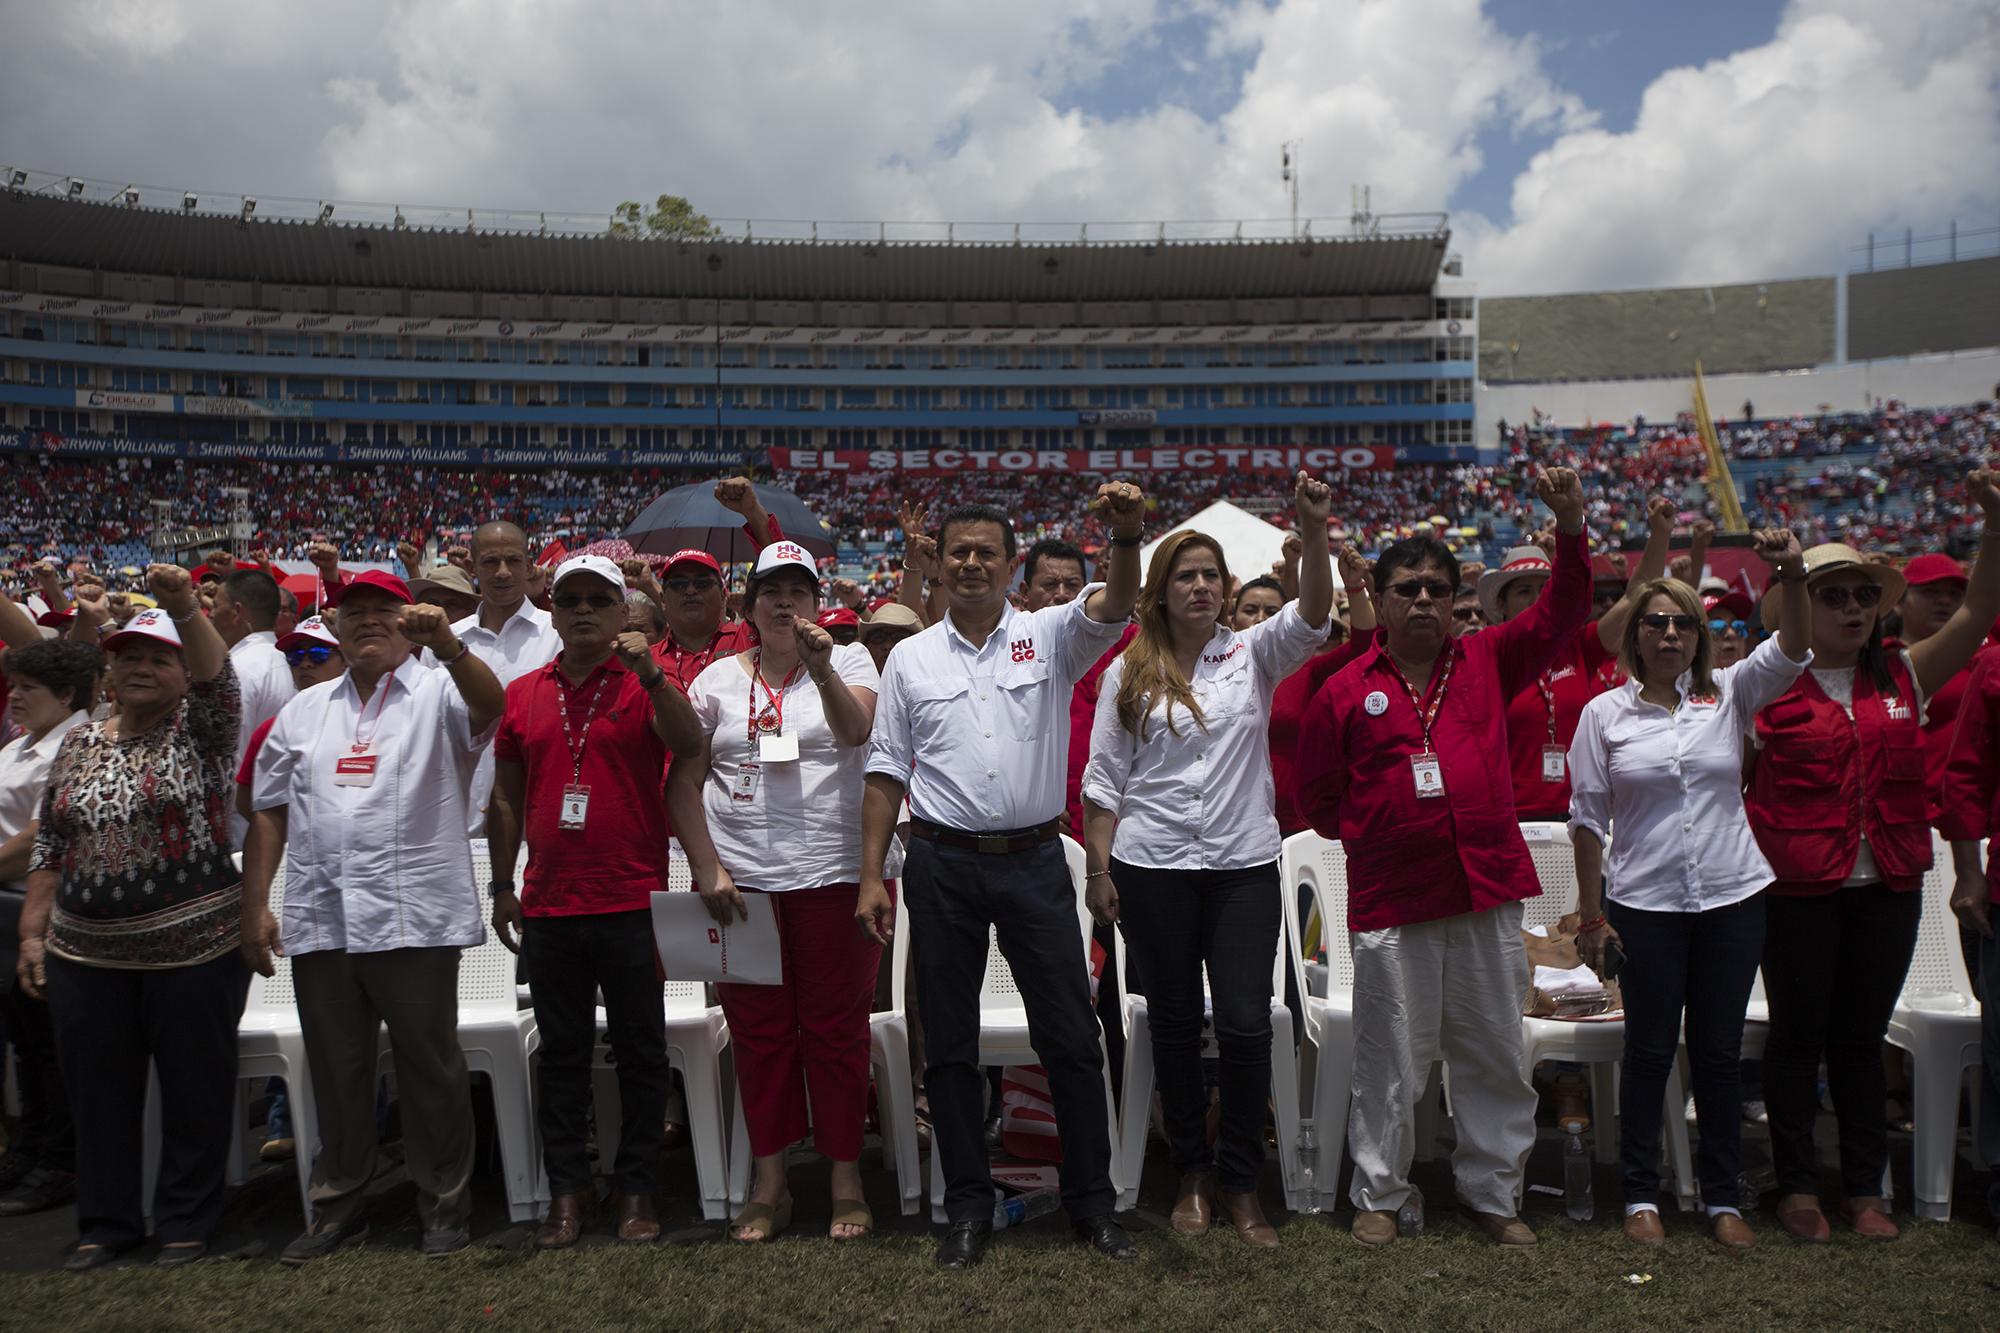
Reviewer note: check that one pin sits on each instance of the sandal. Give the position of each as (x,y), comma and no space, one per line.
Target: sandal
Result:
(850,1213)
(763,1222)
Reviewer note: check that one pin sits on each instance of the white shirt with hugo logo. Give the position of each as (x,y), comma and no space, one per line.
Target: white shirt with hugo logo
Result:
(1203,799)
(980,734)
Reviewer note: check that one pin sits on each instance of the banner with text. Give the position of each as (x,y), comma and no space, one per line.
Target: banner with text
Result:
(1194,458)
(361,454)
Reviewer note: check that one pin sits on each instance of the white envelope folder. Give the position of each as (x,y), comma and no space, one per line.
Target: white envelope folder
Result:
(694,948)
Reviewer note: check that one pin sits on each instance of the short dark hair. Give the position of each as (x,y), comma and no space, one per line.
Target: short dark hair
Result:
(1053,548)
(288,601)
(1410,553)
(67,668)
(959,515)
(257,593)
(1261,581)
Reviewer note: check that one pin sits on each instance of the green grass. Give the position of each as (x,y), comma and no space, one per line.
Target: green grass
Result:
(1936,1276)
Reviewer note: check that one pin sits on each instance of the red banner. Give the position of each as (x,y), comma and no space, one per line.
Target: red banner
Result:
(1190,458)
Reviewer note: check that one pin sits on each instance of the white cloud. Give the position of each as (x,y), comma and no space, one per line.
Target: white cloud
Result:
(1857,113)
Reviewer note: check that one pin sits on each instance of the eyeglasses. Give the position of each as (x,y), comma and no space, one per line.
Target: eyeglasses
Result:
(596,602)
(682,587)
(1464,612)
(1409,589)
(1660,620)
(314,654)
(1836,596)
(890,636)
(1728,626)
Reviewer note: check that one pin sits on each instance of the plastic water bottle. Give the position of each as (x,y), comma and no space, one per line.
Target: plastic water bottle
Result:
(1410,1217)
(1019,1208)
(1576,1179)
(1308,1145)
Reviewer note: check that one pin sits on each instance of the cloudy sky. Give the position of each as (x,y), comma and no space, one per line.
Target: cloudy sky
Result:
(1577,144)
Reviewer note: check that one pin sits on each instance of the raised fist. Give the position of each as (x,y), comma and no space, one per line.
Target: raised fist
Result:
(1562,491)
(1983,489)
(324,555)
(428,627)
(735,493)
(407,553)
(1780,549)
(172,587)
(1313,499)
(1122,507)
(815,645)
(632,649)
(1660,515)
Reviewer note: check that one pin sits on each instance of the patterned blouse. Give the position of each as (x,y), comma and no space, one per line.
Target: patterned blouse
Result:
(138,829)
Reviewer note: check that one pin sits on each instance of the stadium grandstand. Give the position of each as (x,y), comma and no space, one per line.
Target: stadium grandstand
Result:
(174,377)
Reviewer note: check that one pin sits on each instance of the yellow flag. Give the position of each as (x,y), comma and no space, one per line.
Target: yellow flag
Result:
(1720,484)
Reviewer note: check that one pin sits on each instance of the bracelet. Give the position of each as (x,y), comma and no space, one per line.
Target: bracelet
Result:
(1127,543)
(1799,577)
(659,679)
(500,886)
(456,657)
(182,620)
(1355,589)
(1585,927)
(1098,874)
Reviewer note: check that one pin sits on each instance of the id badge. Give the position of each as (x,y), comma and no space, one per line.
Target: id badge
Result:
(575,805)
(356,768)
(780,749)
(745,790)
(1428,774)
(1555,761)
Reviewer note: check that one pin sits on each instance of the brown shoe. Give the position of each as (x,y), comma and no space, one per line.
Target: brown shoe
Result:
(1195,1208)
(1247,1216)
(564,1223)
(1374,1226)
(1501,1230)
(1643,1228)
(1732,1232)
(1571,1096)
(1868,1218)
(1801,1219)
(636,1222)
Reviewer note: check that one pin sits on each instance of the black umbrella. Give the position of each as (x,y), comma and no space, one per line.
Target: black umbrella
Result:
(691,517)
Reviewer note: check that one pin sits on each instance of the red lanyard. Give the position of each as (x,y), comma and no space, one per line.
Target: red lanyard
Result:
(380,701)
(576,746)
(1426,717)
(772,719)
(1546,684)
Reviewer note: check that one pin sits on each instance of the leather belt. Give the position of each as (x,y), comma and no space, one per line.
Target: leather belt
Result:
(990,844)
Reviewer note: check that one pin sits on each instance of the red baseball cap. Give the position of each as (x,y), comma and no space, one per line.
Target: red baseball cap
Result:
(1735,603)
(1933,569)
(838,615)
(695,555)
(379,579)
(1601,567)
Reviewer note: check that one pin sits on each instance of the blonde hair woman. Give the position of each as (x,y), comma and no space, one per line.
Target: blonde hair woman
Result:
(1181,838)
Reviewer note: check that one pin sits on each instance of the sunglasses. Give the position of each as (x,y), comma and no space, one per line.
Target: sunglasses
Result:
(1409,589)
(314,654)
(1735,626)
(682,587)
(1836,596)
(1660,620)
(596,602)
(886,636)
(1464,612)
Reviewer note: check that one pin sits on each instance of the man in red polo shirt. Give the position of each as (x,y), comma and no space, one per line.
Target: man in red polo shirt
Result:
(578,759)
(1403,757)
(697,635)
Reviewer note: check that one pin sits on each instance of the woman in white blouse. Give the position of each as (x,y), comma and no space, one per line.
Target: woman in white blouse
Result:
(1181,838)
(772,804)
(1657,772)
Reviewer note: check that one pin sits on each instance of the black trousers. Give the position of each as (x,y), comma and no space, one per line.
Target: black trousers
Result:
(954,895)
(1701,965)
(1175,922)
(570,959)
(1833,967)
(46,1134)
(109,1023)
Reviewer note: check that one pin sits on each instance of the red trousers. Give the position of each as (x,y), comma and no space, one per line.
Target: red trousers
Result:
(808,1034)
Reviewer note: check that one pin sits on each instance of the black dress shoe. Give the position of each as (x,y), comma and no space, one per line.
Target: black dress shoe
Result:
(317,1244)
(179,1256)
(1104,1235)
(994,1134)
(38,1190)
(445,1241)
(964,1245)
(86,1257)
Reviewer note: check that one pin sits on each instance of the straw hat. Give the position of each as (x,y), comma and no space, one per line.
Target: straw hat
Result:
(1521,562)
(1831,558)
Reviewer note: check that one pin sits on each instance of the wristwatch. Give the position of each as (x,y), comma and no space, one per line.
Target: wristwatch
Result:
(1131,541)
(501,886)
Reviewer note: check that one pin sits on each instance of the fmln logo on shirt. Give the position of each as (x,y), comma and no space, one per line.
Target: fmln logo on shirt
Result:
(1023,650)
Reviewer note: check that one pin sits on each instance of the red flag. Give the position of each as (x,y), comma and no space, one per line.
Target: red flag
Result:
(552,555)
(1741,583)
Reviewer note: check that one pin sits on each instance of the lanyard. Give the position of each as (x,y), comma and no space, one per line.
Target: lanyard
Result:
(1546,685)
(772,718)
(576,746)
(381,701)
(1426,717)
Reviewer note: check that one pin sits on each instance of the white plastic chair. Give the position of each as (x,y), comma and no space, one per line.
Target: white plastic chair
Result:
(1138,1075)
(271,1043)
(1003,1026)
(1937,1021)
(499,1039)
(697,1034)
(1599,1045)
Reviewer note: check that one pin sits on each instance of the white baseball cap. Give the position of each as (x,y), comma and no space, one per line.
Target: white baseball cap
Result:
(152,623)
(589,564)
(779,555)
(311,630)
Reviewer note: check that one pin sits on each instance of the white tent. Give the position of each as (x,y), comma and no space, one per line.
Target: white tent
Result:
(1249,544)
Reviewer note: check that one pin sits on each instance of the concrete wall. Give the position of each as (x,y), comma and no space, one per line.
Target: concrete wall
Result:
(1624,335)
(1931,308)
(1930,381)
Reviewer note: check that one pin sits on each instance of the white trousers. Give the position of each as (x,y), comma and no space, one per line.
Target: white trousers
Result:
(1450,989)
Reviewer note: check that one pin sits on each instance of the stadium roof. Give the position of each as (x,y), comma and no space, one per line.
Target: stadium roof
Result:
(41,228)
